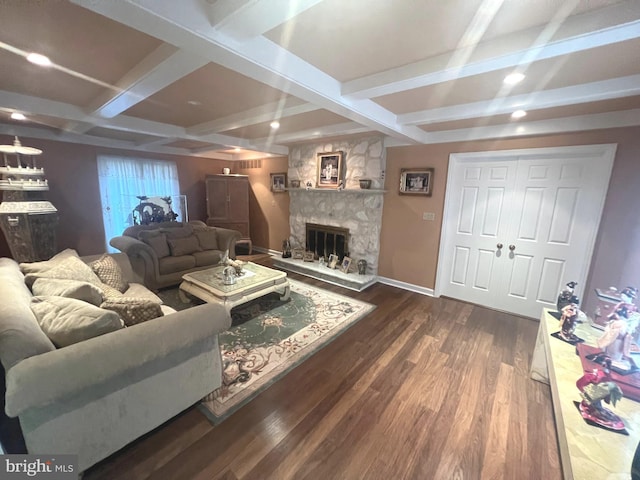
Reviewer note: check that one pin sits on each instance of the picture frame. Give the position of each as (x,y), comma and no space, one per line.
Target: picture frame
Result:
(416,181)
(330,170)
(309,256)
(297,253)
(346,264)
(278,182)
(333,261)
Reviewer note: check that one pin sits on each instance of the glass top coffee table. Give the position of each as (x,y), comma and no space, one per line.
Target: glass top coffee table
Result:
(255,282)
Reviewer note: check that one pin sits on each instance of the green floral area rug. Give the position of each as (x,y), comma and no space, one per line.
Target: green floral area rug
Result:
(269,337)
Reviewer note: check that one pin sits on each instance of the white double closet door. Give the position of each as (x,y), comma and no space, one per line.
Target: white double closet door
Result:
(519,224)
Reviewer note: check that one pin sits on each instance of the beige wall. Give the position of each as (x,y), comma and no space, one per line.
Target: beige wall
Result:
(410,245)
(268,211)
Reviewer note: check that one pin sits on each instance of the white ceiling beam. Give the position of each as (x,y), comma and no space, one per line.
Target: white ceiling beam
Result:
(46,134)
(242,19)
(263,113)
(42,106)
(347,128)
(598,121)
(437,69)
(162,67)
(257,58)
(584,93)
(165,65)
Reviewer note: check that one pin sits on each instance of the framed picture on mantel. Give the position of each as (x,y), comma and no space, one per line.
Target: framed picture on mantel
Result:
(330,170)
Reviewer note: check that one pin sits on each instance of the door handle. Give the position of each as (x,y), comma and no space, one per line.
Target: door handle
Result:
(499,246)
(512,247)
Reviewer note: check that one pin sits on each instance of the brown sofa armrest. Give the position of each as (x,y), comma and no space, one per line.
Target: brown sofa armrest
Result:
(142,257)
(227,240)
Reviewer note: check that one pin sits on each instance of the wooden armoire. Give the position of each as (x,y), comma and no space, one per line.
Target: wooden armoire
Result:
(228,203)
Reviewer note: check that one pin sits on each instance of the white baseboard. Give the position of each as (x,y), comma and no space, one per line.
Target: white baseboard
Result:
(406,286)
(385,280)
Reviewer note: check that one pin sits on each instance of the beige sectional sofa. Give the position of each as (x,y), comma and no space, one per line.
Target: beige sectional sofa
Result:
(93,397)
(161,253)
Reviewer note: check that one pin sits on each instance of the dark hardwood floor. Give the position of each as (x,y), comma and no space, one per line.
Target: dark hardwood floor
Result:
(421,388)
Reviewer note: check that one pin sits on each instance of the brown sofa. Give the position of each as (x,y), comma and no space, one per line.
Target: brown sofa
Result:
(161,253)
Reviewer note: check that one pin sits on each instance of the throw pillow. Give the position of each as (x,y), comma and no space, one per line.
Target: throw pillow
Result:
(109,272)
(84,291)
(133,310)
(67,321)
(70,268)
(184,246)
(37,267)
(157,241)
(208,238)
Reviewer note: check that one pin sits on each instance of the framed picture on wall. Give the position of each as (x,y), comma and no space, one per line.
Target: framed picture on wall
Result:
(416,181)
(330,170)
(278,182)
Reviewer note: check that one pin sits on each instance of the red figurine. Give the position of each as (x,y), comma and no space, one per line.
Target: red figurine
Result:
(595,387)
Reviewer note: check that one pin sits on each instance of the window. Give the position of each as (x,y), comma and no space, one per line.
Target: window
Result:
(122,179)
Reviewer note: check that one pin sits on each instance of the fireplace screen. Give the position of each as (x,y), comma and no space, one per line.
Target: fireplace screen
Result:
(324,240)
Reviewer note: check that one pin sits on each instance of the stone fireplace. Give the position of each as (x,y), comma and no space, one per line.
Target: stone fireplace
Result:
(357,211)
(324,240)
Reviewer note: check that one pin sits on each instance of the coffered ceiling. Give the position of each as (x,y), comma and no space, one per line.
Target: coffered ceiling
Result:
(207,77)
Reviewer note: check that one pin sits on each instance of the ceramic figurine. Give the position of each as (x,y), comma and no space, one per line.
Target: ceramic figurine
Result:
(568,322)
(595,387)
(286,249)
(616,339)
(567,296)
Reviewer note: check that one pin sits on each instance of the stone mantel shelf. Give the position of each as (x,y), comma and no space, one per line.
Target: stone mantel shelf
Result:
(368,191)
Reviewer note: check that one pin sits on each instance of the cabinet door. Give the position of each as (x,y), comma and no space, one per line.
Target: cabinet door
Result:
(217,199)
(238,206)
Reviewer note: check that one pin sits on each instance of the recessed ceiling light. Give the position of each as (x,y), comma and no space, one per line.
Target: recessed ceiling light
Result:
(39,59)
(275,124)
(518,114)
(195,103)
(18,116)
(236,149)
(513,78)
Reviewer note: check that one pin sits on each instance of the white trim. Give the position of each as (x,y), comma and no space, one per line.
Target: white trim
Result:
(407,286)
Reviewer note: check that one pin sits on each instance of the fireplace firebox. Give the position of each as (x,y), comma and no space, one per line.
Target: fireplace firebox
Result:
(324,240)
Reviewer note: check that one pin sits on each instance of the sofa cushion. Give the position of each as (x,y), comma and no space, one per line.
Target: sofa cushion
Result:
(207,237)
(208,257)
(183,246)
(133,310)
(157,241)
(176,264)
(109,272)
(85,291)
(70,268)
(20,335)
(67,321)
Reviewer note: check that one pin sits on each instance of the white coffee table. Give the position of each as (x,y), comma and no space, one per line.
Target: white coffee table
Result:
(256,282)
